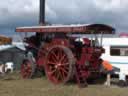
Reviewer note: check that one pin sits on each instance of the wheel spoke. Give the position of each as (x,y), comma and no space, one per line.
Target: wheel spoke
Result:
(62,58)
(64,64)
(29,70)
(25,74)
(58,75)
(64,70)
(55,77)
(53,58)
(52,72)
(54,55)
(63,74)
(60,54)
(51,63)
(65,60)
(26,69)
(58,64)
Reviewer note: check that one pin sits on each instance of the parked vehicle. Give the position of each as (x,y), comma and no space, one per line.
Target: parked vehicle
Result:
(116,52)
(63,57)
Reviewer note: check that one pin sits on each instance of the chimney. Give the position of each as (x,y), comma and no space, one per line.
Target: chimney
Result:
(42,12)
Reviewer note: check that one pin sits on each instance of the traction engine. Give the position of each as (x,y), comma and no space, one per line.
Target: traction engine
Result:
(63,53)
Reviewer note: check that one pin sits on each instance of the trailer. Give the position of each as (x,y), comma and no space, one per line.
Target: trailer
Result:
(117,54)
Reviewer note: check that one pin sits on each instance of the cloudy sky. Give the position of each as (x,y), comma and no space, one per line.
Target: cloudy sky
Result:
(15,13)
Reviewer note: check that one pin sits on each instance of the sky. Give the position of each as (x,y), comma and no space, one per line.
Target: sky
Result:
(15,13)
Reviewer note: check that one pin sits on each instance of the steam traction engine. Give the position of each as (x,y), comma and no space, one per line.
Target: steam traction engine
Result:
(61,55)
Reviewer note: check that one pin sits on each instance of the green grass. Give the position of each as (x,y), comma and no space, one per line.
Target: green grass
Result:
(14,85)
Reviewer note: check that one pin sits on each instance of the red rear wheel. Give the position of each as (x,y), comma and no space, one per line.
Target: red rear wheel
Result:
(59,65)
(28,67)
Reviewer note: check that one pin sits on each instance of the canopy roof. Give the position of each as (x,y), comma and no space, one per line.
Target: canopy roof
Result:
(78,28)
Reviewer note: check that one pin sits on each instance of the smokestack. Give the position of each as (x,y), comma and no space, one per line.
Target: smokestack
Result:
(42,12)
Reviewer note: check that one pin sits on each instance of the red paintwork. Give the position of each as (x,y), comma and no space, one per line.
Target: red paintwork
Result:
(85,57)
(83,28)
(26,69)
(44,49)
(56,65)
(89,54)
(53,29)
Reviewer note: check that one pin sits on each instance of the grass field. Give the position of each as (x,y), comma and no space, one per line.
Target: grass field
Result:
(13,85)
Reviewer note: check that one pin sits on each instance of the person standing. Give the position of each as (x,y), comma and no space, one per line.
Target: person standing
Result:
(108,68)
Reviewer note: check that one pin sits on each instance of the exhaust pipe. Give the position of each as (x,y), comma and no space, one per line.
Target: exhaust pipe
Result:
(41,21)
(42,12)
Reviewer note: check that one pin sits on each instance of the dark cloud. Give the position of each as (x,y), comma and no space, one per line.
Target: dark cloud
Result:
(15,13)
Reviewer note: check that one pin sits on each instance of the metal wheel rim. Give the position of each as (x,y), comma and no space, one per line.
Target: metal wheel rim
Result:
(26,69)
(58,67)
